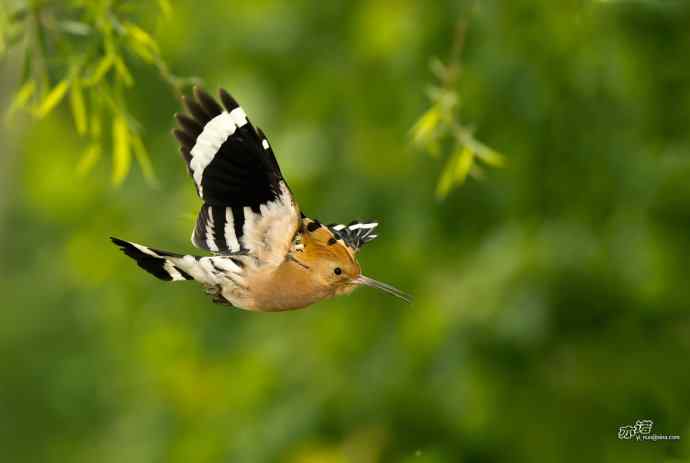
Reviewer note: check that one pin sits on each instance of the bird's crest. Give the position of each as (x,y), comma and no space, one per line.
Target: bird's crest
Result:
(356,233)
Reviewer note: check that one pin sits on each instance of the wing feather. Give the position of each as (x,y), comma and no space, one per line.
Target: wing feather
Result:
(248,207)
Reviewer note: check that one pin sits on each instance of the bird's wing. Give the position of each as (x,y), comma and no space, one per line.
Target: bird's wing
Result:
(248,207)
(355,234)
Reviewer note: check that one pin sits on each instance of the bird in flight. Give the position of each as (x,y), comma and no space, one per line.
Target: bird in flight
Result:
(266,254)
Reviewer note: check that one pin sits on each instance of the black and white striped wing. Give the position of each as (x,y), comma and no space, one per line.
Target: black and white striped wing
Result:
(248,207)
(356,233)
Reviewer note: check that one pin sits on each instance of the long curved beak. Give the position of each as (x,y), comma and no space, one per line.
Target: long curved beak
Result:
(366,281)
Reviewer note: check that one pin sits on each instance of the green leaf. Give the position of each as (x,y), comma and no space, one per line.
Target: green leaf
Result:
(88,159)
(455,171)
(144,160)
(52,99)
(22,97)
(141,36)
(101,69)
(78,106)
(165,7)
(95,124)
(491,157)
(423,129)
(142,52)
(483,152)
(122,71)
(445,183)
(142,43)
(27,65)
(122,156)
(96,109)
(463,166)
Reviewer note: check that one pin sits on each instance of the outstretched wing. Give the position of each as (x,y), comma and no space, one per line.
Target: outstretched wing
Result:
(356,233)
(248,207)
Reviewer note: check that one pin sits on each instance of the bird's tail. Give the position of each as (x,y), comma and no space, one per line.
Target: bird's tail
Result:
(161,264)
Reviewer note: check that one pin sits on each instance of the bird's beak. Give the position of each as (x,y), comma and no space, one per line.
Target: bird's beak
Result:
(366,281)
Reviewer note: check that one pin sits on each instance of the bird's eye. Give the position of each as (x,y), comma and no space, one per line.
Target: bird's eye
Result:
(338,271)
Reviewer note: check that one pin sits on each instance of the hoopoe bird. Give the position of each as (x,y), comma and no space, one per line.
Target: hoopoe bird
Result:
(266,254)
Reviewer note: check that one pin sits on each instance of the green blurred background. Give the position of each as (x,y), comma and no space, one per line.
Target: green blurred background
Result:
(551,297)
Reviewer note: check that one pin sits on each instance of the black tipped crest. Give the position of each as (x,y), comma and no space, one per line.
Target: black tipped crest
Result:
(313,226)
(356,233)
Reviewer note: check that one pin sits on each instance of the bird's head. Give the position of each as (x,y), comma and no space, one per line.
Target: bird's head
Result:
(333,264)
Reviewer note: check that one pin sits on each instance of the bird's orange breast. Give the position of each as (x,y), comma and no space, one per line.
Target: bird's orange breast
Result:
(288,287)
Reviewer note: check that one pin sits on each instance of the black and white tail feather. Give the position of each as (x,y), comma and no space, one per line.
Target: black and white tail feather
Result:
(211,271)
(160,264)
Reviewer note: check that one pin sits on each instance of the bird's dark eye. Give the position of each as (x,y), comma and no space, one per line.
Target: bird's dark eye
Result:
(338,271)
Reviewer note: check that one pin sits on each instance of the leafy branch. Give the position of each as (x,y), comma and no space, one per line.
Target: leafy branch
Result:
(78,52)
(440,125)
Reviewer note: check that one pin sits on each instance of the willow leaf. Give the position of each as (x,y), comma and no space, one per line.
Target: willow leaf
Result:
(22,97)
(423,129)
(101,69)
(463,166)
(53,98)
(122,71)
(122,156)
(78,106)
(445,183)
(491,157)
(144,161)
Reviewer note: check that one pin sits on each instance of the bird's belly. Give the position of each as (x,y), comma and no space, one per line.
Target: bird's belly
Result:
(272,294)
(275,302)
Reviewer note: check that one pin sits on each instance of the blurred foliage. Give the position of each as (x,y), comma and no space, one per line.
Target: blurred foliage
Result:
(551,303)
(78,51)
(441,121)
